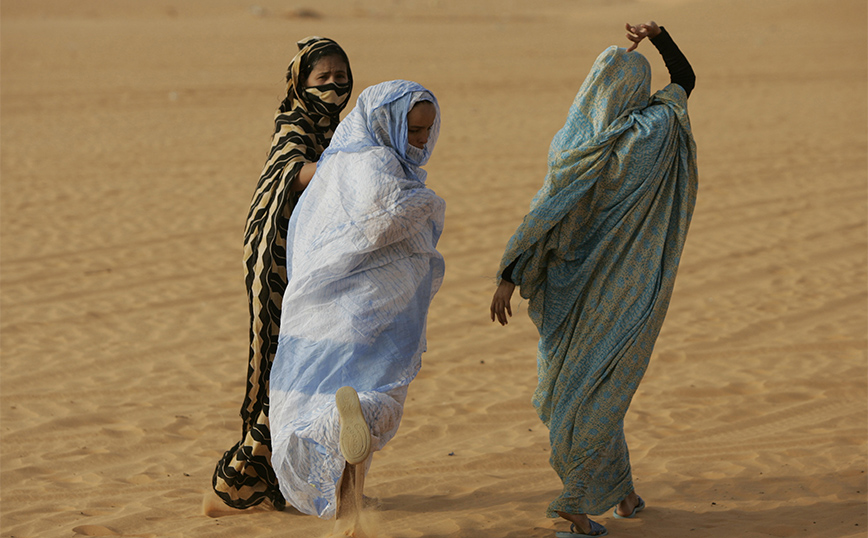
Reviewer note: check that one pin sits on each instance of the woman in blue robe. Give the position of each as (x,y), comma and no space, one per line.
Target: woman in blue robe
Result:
(363,271)
(596,258)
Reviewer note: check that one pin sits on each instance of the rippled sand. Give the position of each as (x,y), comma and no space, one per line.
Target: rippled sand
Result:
(133,134)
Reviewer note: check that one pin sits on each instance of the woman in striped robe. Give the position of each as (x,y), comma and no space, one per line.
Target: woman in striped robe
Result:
(319,84)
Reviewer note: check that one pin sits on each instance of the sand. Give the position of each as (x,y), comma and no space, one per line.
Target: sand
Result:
(132,137)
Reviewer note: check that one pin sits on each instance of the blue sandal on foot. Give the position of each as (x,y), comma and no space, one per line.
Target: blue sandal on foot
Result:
(596,530)
(639,508)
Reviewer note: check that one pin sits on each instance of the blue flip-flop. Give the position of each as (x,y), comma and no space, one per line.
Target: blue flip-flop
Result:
(596,530)
(639,507)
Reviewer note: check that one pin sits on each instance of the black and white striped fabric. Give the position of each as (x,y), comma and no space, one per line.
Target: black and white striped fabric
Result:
(303,127)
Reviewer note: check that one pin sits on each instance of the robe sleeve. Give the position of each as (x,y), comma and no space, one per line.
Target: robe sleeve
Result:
(679,68)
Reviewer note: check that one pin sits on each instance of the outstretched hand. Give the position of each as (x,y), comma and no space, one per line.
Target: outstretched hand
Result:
(640,32)
(500,306)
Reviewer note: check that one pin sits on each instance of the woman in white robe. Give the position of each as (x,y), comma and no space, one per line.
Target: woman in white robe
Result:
(363,271)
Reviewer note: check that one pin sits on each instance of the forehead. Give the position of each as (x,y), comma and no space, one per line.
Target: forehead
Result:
(332,62)
(422,111)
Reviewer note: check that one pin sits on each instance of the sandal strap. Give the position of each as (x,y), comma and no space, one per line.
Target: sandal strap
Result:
(596,529)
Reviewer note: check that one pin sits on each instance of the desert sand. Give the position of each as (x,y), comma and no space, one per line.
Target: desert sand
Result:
(133,134)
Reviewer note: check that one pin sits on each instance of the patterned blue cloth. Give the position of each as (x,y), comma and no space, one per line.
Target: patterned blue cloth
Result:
(596,258)
(363,270)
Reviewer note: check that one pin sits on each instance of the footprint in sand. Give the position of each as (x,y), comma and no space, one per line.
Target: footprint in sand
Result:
(99,530)
(94,530)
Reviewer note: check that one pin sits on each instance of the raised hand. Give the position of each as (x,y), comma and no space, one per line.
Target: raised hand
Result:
(640,32)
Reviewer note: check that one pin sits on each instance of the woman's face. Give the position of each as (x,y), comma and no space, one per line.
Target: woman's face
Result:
(327,70)
(419,122)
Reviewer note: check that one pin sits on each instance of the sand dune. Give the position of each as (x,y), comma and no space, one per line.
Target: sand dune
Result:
(133,134)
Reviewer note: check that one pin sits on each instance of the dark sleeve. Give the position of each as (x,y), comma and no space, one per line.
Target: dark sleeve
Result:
(679,68)
(507,273)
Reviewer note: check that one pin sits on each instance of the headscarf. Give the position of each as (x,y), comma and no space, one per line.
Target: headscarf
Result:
(380,119)
(618,85)
(303,126)
(617,137)
(326,100)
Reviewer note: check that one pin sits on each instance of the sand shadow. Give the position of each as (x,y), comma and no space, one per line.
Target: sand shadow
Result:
(719,507)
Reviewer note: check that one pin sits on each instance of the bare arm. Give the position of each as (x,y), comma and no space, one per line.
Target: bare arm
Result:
(303,178)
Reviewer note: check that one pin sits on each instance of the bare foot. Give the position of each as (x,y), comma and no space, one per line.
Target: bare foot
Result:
(213,506)
(626,507)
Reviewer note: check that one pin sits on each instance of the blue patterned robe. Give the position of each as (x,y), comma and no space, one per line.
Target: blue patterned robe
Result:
(596,257)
